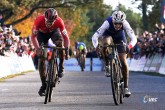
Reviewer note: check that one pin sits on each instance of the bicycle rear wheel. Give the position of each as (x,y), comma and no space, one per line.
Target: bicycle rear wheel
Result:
(115,82)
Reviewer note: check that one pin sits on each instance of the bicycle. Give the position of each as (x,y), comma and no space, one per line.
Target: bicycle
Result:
(81,60)
(115,72)
(52,78)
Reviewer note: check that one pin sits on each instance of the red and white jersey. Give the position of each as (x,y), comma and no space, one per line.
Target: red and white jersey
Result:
(40,26)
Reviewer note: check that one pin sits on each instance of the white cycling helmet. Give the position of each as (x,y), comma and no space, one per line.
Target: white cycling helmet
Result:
(118,16)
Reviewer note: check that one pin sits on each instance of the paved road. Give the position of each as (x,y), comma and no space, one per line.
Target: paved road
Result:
(82,91)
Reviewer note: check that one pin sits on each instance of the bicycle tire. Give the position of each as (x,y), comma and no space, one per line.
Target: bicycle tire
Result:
(53,79)
(115,81)
(49,86)
(121,81)
(121,86)
(122,91)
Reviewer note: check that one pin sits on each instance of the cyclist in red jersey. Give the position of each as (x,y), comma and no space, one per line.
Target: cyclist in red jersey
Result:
(47,26)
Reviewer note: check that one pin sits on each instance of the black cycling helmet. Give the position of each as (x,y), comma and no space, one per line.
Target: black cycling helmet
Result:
(51,14)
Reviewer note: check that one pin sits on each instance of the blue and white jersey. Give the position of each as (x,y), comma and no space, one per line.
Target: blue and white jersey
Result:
(107,29)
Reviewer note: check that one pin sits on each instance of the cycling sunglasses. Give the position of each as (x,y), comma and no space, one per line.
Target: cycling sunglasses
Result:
(118,23)
(49,21)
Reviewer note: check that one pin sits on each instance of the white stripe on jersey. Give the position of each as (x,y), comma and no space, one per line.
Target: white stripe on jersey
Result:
(130,33)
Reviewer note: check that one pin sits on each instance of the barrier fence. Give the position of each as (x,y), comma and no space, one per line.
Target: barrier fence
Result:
(155,63)
(15,64)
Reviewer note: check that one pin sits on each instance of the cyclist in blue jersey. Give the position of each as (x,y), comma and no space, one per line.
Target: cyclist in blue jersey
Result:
(80,47)
(114,28)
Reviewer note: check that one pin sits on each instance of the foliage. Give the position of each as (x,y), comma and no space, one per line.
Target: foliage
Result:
(97,13)
(154,15)
(81,19)
(23,12)
(134,19)
(151,17)
(75,22)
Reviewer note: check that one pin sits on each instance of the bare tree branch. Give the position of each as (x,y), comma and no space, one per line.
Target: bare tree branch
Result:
(39,6)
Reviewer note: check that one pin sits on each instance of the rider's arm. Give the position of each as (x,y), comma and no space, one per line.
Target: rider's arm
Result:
(34,34)
(99,33)
(64,34)
(130,33)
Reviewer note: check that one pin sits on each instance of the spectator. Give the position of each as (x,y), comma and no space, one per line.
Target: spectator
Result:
(1,19)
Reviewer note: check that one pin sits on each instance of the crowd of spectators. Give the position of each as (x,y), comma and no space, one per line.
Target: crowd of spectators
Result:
(12,42)
(150,44)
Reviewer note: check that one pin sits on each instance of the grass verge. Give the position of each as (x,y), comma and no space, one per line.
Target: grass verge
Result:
(2,79)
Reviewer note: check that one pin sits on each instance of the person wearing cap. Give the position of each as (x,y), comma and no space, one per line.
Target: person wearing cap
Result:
(113,29)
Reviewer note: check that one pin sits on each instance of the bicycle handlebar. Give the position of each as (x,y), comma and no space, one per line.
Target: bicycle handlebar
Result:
(56,48)
(52,47)
(112,45)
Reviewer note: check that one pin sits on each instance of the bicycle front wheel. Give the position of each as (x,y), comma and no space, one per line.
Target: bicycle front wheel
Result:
(53,78)
(49,81)
(115,82)
(47,88)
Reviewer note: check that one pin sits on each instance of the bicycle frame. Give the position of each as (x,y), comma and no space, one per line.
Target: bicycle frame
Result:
(117,82)
(52,72)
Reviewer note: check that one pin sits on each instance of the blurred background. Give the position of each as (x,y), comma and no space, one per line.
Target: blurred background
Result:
(82,18)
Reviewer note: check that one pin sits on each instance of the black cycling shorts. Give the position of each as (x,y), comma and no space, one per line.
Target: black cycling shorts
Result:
(118,38)
(43,38)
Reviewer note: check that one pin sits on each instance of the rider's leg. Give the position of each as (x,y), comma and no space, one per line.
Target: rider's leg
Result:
(42,38)
(85,53)
(59,42)
(61,63)
(118,39)
(125,72)
(106,41)
(42,70)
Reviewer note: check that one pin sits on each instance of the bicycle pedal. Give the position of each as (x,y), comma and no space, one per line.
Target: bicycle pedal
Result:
(54,84)
(127,95)
(58,82)
(108,75)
